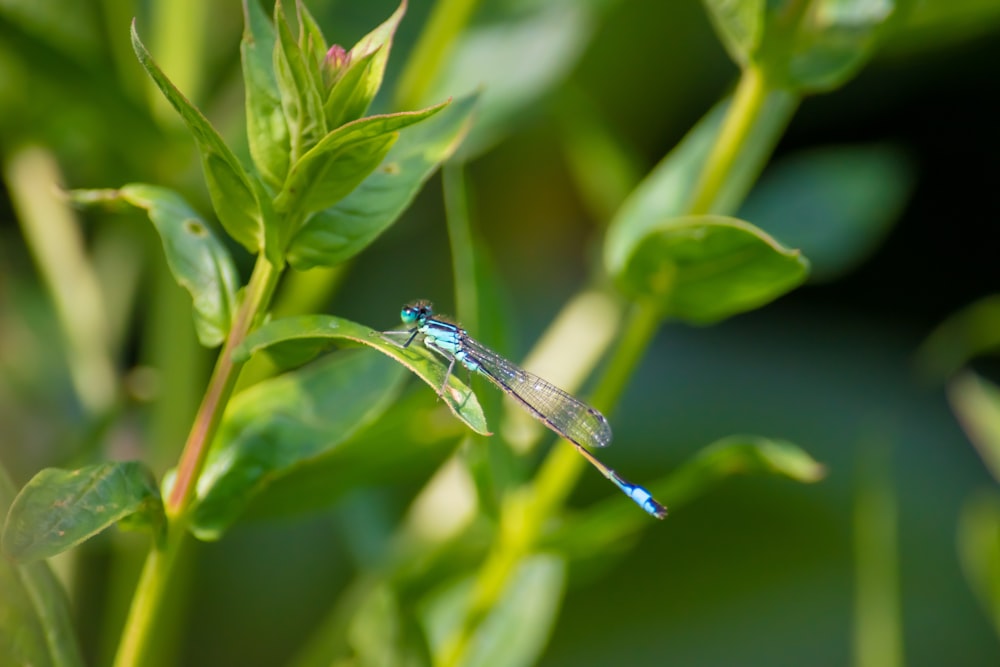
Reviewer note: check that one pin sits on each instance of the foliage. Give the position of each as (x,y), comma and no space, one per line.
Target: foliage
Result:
(465,551)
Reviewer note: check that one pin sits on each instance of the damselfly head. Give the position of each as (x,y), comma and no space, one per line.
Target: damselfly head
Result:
(414,312)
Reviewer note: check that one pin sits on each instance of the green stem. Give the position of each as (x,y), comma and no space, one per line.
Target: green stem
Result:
(563,465)
(151,589)
(220,387)
(462,244)
(137,637)
(744,112)
(524,517)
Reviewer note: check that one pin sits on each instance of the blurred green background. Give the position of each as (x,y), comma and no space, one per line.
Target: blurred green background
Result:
(758,572)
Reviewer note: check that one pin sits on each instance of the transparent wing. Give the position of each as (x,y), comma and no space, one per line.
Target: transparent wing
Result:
(569,417)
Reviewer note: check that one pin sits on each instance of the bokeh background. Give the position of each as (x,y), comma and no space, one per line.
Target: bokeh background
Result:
(759,571)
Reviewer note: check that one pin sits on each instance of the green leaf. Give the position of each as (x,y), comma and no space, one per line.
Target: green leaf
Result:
(972,331)
(296,337)
(976,402)
(979,551)
(311,42)
(342,160)
(351,96)
(267,131)
(818,45)
(608,525)
(340,232)
(702,269)
(516,630)
(59,509)
(284,422)
(740,24)
(37,626)
(356,87)
(237,197)
(404,446)
(200,263)
(301,95)
(835,204)
(667,190)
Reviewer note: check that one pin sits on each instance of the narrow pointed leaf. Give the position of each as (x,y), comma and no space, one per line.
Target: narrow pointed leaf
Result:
(285,422)
(353,93)
(59,509)
(311,42)
(340,232)
(702,269)
(199,262)
(267,131)
(350,96)
(37,625)
(292,339)
(610,524)
(301,98)
(236,196)
(342,160)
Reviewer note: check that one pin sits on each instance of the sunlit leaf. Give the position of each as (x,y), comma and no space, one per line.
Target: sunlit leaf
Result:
(356,87)
(342,160)
(297,337)
(702,269)
(311,42)
(59,509)
(267,131)
(301,94)
(239,200)
(340,232)
(516,629)
(834,204)
(976,402)
(199,262)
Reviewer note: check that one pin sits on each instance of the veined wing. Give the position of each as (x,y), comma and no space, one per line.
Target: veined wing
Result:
(569,417)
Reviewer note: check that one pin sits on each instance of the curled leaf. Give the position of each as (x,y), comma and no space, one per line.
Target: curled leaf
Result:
(702,269)
(296,338)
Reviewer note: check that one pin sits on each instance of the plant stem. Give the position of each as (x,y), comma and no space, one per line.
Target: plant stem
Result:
(525,516)
(220,386)
(742,115)
(463,246)
(137,637)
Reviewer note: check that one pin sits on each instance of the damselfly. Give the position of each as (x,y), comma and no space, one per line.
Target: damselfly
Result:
(569,417)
